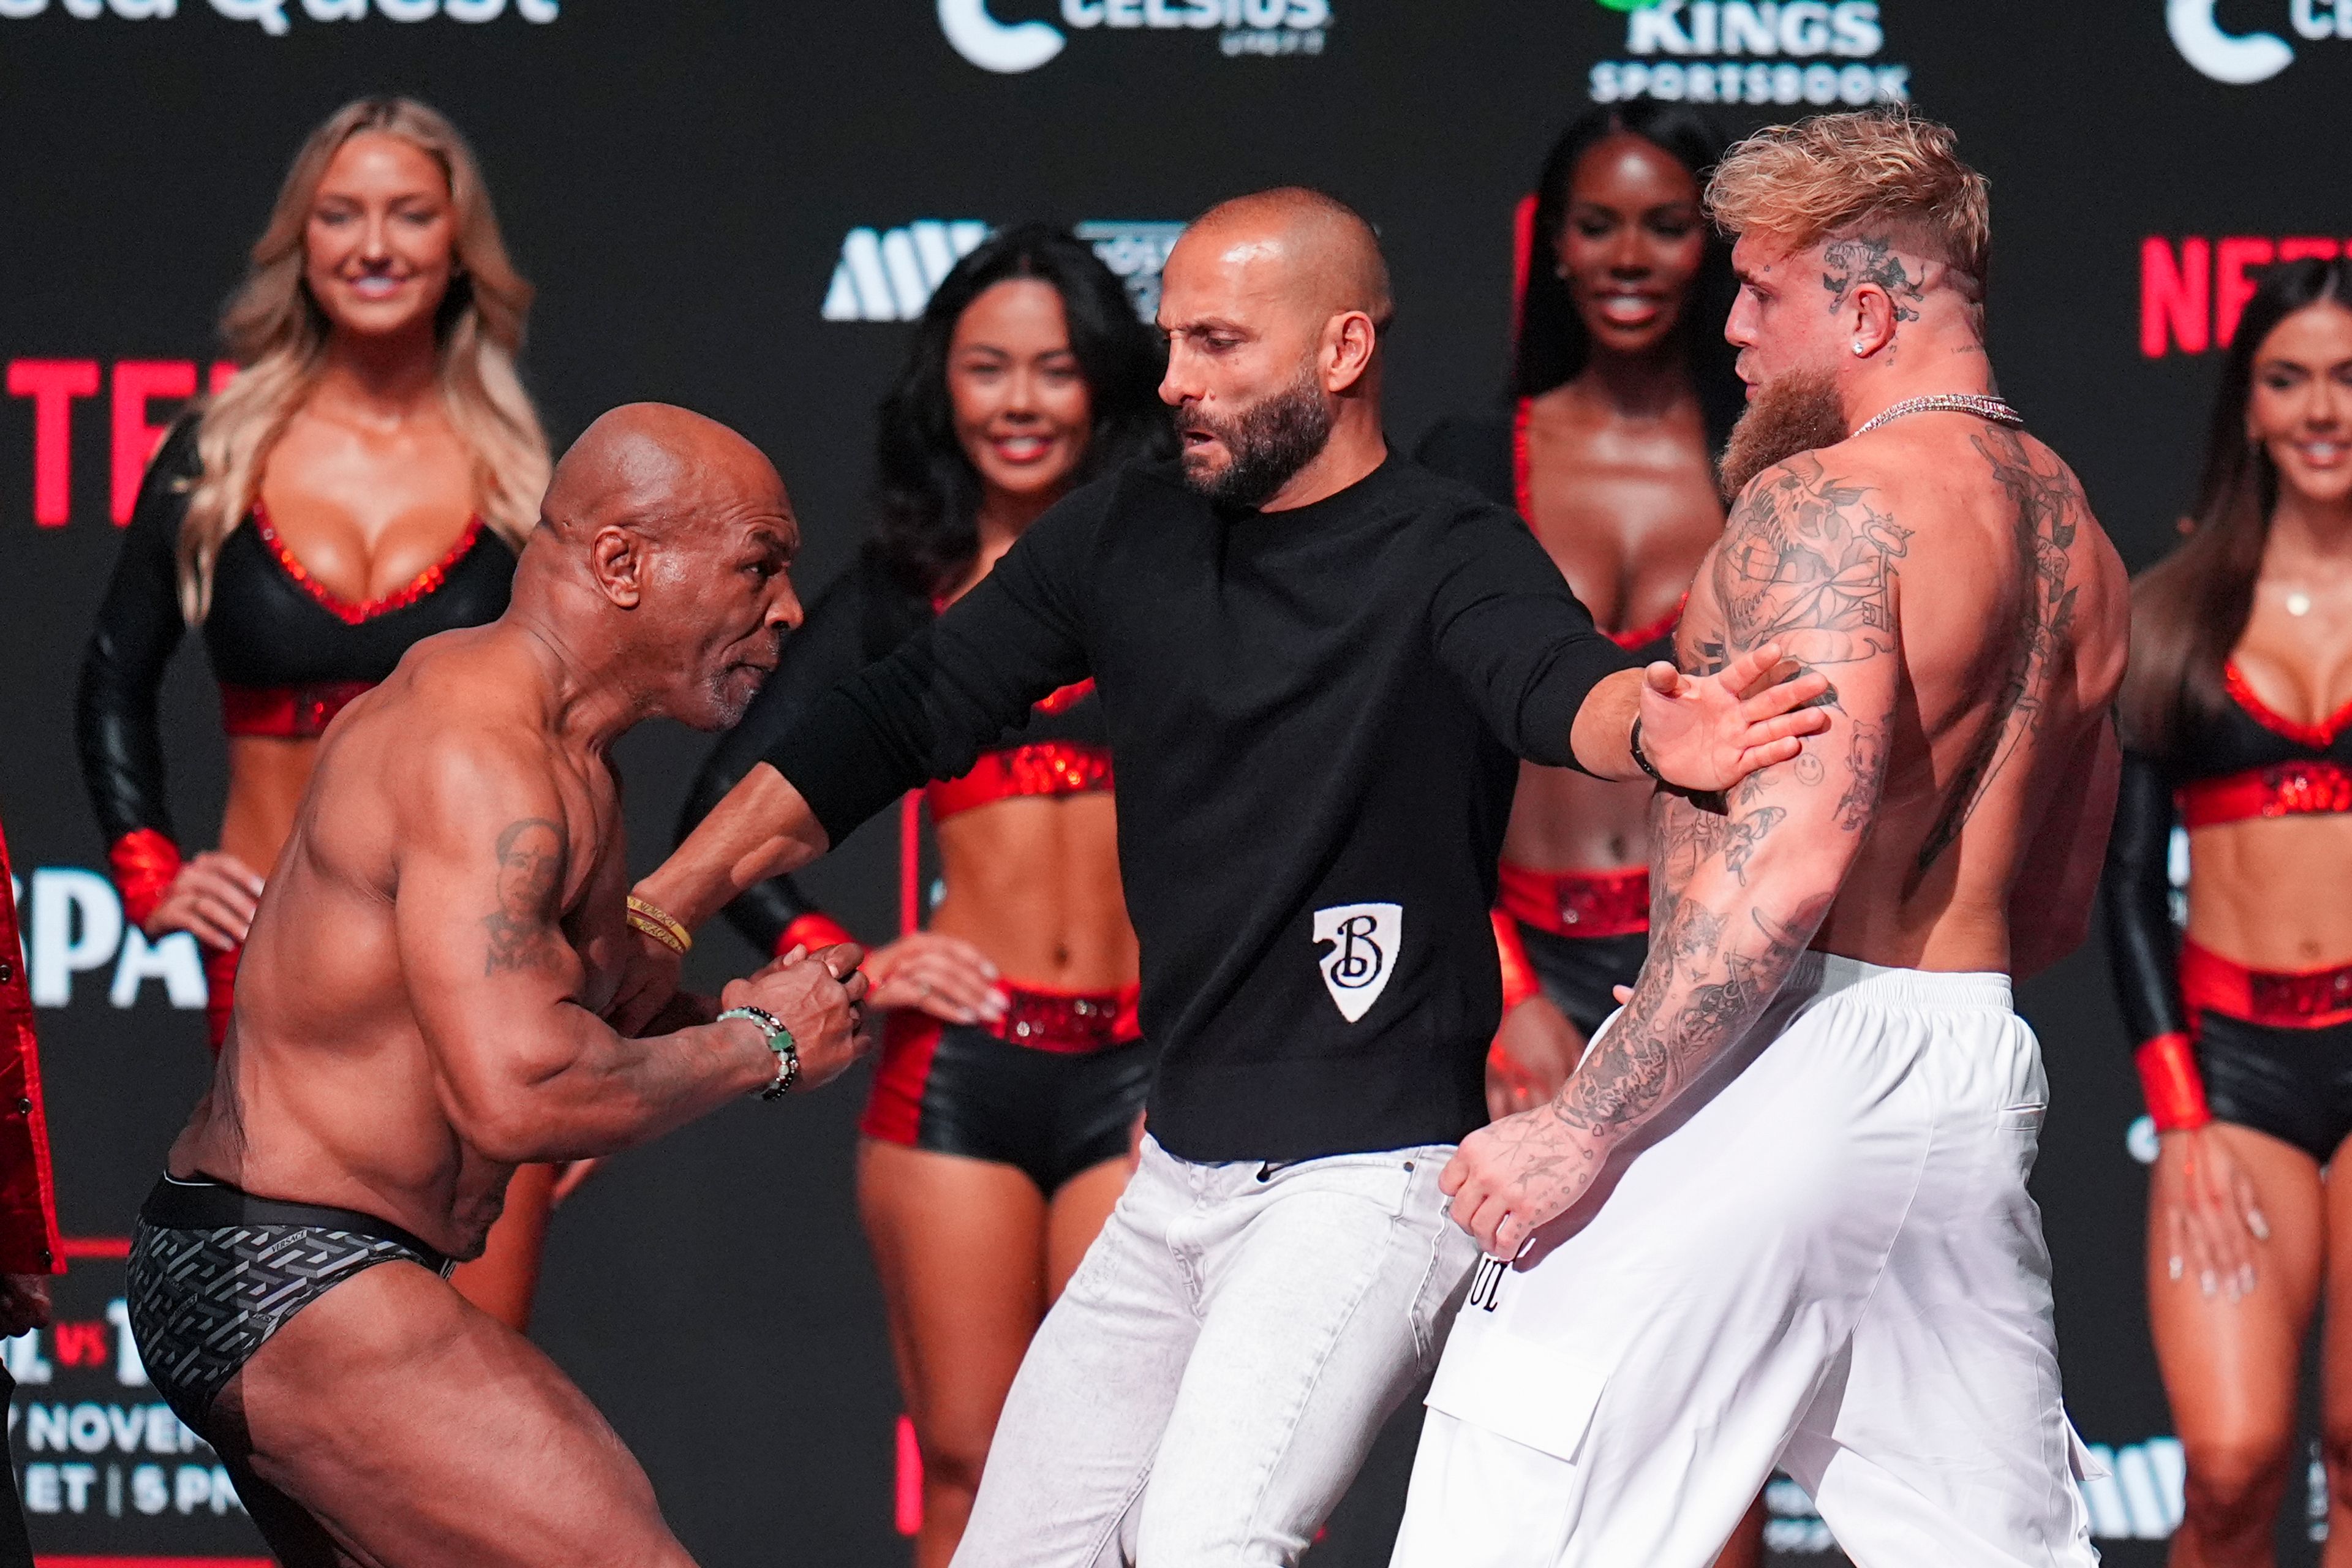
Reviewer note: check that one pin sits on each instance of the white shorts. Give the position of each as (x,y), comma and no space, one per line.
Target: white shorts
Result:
(1829,1262)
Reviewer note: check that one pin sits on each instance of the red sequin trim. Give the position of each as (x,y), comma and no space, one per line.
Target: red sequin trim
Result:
(2279,999)
(2318,737)
(1577,903)
(423,586)
(2282,789)
(1068,1022)
(1046,768)
(144,864)
(287,712)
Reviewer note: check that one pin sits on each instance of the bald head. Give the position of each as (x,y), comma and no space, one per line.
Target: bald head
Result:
(656,468)
(1318,250)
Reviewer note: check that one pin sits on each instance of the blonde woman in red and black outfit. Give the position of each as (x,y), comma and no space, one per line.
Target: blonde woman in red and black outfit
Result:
(364,482)
(1012,1069)
(2237,717)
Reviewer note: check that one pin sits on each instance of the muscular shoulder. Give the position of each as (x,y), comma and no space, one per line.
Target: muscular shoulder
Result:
(1809,558)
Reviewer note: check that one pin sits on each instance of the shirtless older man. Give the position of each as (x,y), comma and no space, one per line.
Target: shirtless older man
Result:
(1779,1213)
(418,1013)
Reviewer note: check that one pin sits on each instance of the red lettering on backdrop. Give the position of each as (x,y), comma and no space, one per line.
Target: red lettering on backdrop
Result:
(2173,298)
(136,380)
(80,1344)
(2191,299)
(2231,287)
(52,385)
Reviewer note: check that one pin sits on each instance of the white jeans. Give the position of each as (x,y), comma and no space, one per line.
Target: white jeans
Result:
(1831,1262)
(1208,1383)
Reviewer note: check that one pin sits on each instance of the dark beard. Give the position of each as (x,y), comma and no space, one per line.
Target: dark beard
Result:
(1797,413)
(1267,443)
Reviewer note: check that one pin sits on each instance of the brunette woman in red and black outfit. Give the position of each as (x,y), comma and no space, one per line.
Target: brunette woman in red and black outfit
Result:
(364,482)
(2238,716)
(1013,1070)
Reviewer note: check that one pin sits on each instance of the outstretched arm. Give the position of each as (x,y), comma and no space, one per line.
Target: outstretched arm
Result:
(527,1072)
(1806,563)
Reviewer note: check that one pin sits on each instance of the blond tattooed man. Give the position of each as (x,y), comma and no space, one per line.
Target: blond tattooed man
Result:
(1778,1216)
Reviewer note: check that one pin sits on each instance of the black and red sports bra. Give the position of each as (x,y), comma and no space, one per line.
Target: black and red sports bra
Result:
(2244,761)
(860,617)
(288,653)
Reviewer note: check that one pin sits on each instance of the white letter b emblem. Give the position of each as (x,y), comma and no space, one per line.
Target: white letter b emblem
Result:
(1365,941)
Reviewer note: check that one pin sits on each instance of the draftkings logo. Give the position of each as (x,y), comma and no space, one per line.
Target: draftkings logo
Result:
(2242,59)
(888,275)
(1243,27)
(272,15)
(1768,51)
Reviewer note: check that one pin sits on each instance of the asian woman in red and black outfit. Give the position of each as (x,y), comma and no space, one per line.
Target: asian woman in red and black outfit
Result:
(2238,719)
(364,482)
(1012,1071)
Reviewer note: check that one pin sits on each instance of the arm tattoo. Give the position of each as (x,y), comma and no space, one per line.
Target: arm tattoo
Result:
(530,870)
(1851,262)
(1810,564)
(2049,507)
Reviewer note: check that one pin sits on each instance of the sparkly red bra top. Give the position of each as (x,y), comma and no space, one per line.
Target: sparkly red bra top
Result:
(289,653)
(1063,750)
(2252,761)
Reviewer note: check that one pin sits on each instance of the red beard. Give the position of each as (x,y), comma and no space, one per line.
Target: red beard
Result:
(1800,412)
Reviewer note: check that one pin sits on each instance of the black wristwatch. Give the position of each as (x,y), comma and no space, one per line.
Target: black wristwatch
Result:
(780,1040)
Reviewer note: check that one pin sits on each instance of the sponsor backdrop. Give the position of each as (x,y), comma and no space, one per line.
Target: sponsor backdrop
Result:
(735,206)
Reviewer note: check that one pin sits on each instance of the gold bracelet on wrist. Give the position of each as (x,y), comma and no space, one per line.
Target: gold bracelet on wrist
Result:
(658,923)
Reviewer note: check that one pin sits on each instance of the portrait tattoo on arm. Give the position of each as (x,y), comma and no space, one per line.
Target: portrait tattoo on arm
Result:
(531,871)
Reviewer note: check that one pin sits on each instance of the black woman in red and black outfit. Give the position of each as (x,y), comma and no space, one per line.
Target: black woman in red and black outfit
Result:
(1012,1069)
(364,482)
(1622,392)
(2237,722)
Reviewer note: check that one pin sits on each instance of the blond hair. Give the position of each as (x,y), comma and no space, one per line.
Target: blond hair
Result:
(1878,171)
(277,335)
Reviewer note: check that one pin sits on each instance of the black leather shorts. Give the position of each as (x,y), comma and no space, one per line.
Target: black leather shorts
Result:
(1578,972)
(2294,1084)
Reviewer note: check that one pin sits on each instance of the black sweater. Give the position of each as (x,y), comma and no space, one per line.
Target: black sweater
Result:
(1310,712)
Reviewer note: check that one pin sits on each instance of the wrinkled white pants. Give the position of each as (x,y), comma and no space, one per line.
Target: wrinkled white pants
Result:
(1830,1262)
(1211,1381)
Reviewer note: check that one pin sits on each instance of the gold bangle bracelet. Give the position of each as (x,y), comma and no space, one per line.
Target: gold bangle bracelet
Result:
(658,923)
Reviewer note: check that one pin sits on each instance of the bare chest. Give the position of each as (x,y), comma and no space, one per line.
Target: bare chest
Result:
(365,514)
(2299,665)
(1626,518)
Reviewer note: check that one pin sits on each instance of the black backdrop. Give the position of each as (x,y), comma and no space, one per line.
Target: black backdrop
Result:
(683,182)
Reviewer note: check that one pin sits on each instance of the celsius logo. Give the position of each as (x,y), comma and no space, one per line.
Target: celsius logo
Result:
(888,275)
(2242,59)
(1250,27)
(1753,51)
(272,14)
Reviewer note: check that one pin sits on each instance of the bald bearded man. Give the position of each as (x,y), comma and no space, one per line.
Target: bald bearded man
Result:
(419,1011)
(1317,665)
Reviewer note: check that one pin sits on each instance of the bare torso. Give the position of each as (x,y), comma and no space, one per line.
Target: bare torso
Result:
(326,1092)
(1627,508)
(2011,610)
(364,512)
(1034,883)
(2244,875)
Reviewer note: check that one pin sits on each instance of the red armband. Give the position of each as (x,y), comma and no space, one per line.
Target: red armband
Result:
(1519,982)
(144,864)
(814,931)
(2169,1078)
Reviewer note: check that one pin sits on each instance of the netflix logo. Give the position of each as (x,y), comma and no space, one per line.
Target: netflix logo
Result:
(2192,290)
(53,386)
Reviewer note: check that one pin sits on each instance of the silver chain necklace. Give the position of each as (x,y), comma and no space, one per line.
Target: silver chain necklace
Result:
(1983,407)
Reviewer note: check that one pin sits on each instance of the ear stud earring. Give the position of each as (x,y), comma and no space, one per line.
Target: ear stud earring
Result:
(1859,351)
